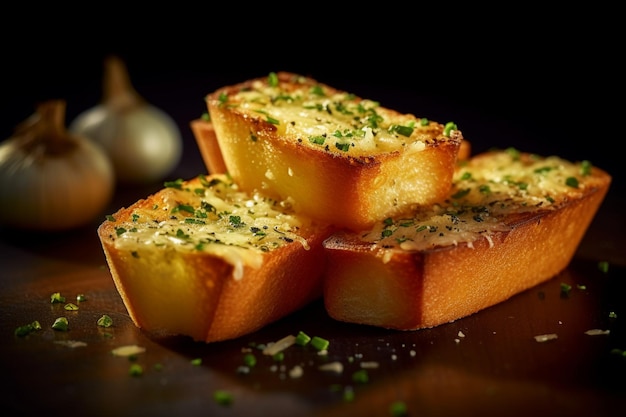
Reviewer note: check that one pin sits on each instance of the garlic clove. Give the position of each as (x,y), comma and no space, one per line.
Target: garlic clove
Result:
(51,180)
(143,142)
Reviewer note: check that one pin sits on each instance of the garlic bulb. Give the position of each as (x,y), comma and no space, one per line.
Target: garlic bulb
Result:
(143,142)
(51,180)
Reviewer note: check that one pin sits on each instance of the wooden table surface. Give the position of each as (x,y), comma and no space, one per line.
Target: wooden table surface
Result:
(487,364)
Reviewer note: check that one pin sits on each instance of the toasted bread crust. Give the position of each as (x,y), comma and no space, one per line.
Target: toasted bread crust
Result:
(170,290)
(370,284)
(204,133)
(350,188)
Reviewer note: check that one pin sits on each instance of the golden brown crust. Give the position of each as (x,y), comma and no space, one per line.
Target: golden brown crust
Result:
(204,133)
(420,289)
(193,293)
(349,189)
(465,151)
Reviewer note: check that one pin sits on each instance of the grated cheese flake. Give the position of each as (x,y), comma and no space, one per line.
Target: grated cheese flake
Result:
(128,350)
(296,372)
(370,365)
(332,367)
(211,215)
(484,193)
(276,347)
(70,343)
(597,332)
(546,337)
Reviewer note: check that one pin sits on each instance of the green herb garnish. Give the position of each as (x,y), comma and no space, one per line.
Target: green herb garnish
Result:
(449,127)
(513,153)
(302,338)
(27,329)
(249,359)
(348,394)
(317,90)
(61,324)
(461,193)
(345,147)
(178,184)
(319,343)
(585,168)
(401,130)
(361,376)
(603,266)
(105,321)
(398,409)
(223,397)
(135,370)
(56,298)
(571,182)
(318,140)
(272,120)
(272,79)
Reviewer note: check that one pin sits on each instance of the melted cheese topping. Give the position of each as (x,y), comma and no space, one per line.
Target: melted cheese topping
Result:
(484,193)
(212,216)
(336,122)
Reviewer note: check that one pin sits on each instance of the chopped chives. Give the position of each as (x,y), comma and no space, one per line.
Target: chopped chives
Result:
(398,409)
(272,79)
(449,127)
(603,266)
(27,329)
(302,338)
(249,359)
(223,397)
(135,370)
(360,376)
(57,298)
(571,182)
(319,343)
(105,321)
(61,324)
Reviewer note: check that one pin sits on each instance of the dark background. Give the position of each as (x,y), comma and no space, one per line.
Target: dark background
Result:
(544,81)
